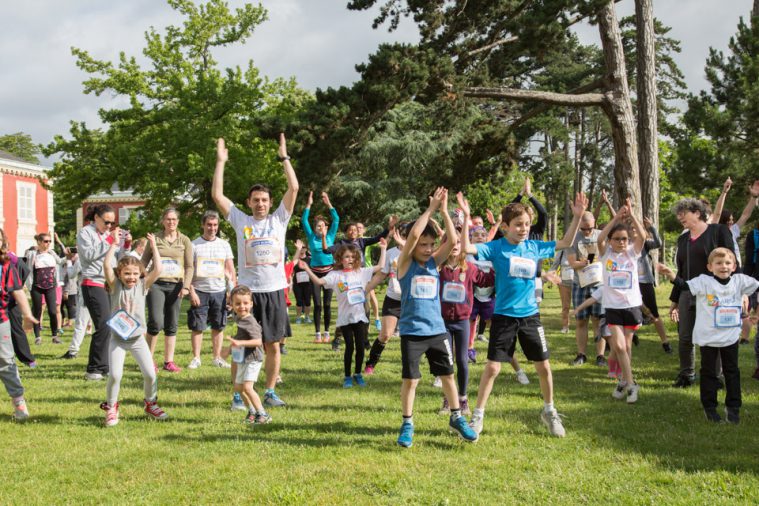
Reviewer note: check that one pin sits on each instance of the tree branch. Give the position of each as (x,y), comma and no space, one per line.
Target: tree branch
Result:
(539,109)
(547,97)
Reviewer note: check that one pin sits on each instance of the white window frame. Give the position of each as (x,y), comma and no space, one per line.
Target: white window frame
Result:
(123,220)
(23,188)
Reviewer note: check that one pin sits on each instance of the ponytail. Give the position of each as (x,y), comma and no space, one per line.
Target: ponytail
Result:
(97,210)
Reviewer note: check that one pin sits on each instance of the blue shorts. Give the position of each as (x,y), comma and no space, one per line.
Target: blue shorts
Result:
(212,312)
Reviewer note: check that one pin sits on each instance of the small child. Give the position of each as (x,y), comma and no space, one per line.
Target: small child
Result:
(128,285)
(248,354)
(719,312)
(349,280)
(596,297)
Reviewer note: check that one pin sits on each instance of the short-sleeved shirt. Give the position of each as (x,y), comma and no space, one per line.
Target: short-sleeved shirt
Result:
(349,287)
(131,300)
(209,258)
(482,293)
(718,308)
(515,269)
(261,249)
(9,282)
(583,246)
(248,329)
(391,270)
(620,288)
(420,302)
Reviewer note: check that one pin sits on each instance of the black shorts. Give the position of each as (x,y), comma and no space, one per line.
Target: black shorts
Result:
(391,307)
(212,312)
(648,293)
(629,318)
(504,330)
(436,348)
(270,310)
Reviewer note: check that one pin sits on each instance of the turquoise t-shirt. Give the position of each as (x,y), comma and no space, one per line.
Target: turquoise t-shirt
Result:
(420,304)
(515,267)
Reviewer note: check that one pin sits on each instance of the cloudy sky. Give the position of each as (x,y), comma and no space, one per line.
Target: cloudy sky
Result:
(317,41)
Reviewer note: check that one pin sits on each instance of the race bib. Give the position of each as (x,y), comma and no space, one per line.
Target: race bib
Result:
(591,274)
(423,287)
(394,285)
(483,294)
(356,296)
(262,251)
(727,316)
(454,293)
(170,268)
(209,267)
(123,324)
(620,280)
(238,354)
(567,274)
(301,277)
(522,268)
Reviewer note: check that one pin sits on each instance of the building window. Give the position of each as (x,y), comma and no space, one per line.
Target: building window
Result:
(123,215)
(26,206)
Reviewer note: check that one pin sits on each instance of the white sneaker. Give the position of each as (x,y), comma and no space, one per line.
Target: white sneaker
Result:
(93,376)
(481,337)
(620,391)
(220,362)
(552,420)
(20,411)
(438,383)
(632,393)
(522,377)
(194,363)
(564,330)
(476,423)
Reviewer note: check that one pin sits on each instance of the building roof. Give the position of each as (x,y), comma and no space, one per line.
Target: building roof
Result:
(12,164)
(10,156)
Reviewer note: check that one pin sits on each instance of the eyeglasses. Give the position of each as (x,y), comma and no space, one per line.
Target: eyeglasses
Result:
(46,242)
(619,239)
(586,229)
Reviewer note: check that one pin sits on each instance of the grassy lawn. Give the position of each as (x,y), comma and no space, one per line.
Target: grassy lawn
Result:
(335,446)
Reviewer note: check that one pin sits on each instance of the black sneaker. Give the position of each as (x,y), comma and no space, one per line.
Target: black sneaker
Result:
(667,348)
(601,361)
(579,359)
(68,355)
(744,341)
(733,415)
(683,382)
(712,415)
(336,344)
(636,340)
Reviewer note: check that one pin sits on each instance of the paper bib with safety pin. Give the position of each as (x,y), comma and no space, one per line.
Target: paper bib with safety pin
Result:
(210,267)
(355,296)
(262,251)
(453,292)
(727,316)
(170,268)
(424,287)
(522,267)
(591,274)
(301,277)
(620,280)
(123,324)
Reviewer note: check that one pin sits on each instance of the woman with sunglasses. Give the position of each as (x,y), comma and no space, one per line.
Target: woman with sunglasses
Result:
(93,242)
(44,263)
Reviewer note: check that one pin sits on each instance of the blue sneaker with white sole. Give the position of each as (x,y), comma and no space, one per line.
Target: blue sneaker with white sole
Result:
(463,429)
(272,400)
(359,380)
(237,403)
(348,382)
(406,437)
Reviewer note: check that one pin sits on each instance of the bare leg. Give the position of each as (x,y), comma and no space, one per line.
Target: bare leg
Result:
(489,375)
(546,380)
(271,365)
(196,340)
(408,394)
(217,338)
(170,342)
(450,391)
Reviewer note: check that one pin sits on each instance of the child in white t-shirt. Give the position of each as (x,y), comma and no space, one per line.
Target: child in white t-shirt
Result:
(719,316)
(349,280)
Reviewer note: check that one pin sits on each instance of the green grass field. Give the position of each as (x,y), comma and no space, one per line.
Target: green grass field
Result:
(335,446)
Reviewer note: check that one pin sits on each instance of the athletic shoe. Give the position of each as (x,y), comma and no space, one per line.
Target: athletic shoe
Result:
(154,411)
(237,403)
(471,354)
(278,381)
(262,419)
(683,381)
(632,393)
(68,355)
(481,337)
(464,405)
(171,367)
(444,409)
(359,380)
(378,324)
(308,320)
(522,377)
(368,370)
(437,383)
(221,363)
(601,361)
(552,420)
(249,419)
(579,359)
(326,338)
(56,340)
(636,340)
(37,340)
(619,391)
(667,348)
(460,427)
(111,414)
(93,376)
(318,338)
(712,415)
(32,364)
(194,363)
(564,330)
(756,374)
(744,341)
(299,320)
(348,382)
(335,344)
(20,411)
(406,437)
(272,400)
(476,423)
(733,415)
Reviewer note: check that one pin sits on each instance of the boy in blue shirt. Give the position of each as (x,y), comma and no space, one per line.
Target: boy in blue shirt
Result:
(421,323)
(515,260)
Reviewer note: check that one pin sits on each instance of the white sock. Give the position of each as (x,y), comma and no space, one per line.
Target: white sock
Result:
(479,412)
(548,407)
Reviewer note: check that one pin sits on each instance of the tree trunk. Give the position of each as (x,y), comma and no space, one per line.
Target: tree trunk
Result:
(618,109)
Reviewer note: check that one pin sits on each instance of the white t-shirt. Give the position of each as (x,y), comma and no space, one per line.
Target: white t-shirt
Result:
(209,258)
(261,249)
(391,269)
(482,294)
(718,308)
(621,290)
(583,247)
(349,287)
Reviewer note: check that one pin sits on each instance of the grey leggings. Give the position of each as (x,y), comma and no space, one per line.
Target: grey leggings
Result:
(163,307)
(8,370)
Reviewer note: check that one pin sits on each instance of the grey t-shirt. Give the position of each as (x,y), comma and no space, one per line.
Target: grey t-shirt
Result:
(131,300)
(247,329)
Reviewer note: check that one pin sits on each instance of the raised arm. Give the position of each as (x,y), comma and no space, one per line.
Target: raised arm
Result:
(404,259)
(640,239)
(750,205)
(333,227)
(110,275)
(721,201)
(306,215)
(578,208)
(217,185)
(157,266)
(383,255)
(466,244)
(441,255)
(291,194)
(601,241)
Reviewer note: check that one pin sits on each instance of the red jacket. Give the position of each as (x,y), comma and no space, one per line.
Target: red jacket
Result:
(455,311)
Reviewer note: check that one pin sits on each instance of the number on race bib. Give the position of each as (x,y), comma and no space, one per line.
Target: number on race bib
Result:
(301,277)
(170,268)
(454,293)
(262,251)
(522,267)
(424,287)
(356,296)
(620,280)
(123,324)
(727,316)
(209,267)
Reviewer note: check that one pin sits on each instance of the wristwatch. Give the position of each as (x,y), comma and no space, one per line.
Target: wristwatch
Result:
(282,158)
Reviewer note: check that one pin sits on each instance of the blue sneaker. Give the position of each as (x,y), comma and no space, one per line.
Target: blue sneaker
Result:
(237,404)
(406,437)
(348,382)
(272,400)
(378,324)
(359,380)
(463,429)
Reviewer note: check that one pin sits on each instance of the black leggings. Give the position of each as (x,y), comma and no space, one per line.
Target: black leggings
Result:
(68,307)
(322,299)
(52,308)
(303,292)
(18,336)
(355,335)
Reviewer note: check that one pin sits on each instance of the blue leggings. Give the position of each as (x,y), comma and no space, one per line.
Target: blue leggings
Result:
(459,337)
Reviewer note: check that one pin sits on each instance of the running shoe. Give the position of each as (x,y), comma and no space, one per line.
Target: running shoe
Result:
(318,338)
(564,330)
(278,381)
(68,355)
(237,403)
(481,337)
(326,337)
(712,415)
(171,367)
(406,437)
(464,405)
(471,355)
(476,423)
(733,415)
(667,348)
(460,427)
(368,370)
(262,419)
(111,414)
(601,361)
(359,380)
(221,363)
(154,411)
(32,364)
(93,376)
(620,391)
(37,340)
(299,320)
(444,409)
(56,339)
(579,359)
(684,381)
(552,420)
(522,377)
(194,363)
(20,411)
(632,393)
(348,382)
(308,319)
(437,383)
(272,400)
(378,324)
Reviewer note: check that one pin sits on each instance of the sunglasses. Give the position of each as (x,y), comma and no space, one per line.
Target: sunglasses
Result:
(619,239)
(586,229)
(109,223)
(46,242)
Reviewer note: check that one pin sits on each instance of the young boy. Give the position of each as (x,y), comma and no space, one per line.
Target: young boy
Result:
(249,355)
(719,314)
(516,315)
(421,322)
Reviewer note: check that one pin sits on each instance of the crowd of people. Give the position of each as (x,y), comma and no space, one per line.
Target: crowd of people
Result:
(446,282)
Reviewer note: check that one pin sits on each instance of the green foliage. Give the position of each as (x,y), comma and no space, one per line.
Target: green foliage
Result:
(21,145)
